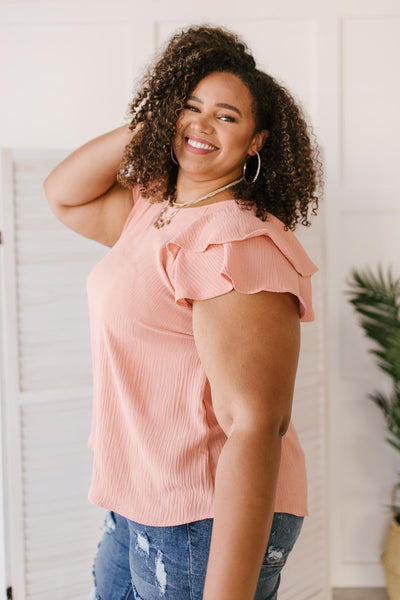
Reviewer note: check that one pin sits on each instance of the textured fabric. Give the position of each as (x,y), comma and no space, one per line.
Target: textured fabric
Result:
(155,437)
(135,561)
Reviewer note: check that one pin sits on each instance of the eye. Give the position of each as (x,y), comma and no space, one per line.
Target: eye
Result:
(192,108)
(227,118)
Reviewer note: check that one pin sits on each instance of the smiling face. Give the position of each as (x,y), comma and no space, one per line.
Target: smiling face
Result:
(216,130)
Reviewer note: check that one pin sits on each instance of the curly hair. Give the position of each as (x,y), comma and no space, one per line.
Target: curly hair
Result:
(290,179)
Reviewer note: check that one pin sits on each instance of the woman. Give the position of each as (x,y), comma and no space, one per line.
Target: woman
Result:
(194,317)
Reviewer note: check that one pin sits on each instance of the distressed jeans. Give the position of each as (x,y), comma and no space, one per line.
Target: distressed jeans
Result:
(139,562)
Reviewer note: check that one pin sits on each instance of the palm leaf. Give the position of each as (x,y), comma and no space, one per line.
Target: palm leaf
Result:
(376,299)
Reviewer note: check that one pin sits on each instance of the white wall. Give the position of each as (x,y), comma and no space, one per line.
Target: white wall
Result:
(350,86)
(363,230)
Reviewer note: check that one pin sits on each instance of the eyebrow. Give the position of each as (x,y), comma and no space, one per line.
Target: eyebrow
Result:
(219,104)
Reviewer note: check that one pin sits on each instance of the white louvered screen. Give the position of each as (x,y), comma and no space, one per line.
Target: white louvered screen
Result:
(53,527)
(52,265)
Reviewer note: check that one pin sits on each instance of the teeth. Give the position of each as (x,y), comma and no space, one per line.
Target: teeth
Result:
(200,145)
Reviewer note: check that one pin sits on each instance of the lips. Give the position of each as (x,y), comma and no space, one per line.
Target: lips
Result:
(199,146)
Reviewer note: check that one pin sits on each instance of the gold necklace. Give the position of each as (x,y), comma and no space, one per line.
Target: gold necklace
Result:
(161,220)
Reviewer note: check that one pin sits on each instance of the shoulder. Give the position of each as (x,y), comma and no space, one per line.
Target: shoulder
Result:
(230,223)
(228,248)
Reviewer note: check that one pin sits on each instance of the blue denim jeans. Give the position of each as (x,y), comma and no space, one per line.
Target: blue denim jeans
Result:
(138,562)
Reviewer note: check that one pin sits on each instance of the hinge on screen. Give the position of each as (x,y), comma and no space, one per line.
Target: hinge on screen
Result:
(9,593)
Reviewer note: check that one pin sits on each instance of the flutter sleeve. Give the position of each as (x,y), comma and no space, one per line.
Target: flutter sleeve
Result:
(249,255)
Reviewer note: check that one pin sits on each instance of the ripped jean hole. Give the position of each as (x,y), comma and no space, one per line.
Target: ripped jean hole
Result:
(274,554)
(275,557)
(161,573)
(143,543)
(109,523)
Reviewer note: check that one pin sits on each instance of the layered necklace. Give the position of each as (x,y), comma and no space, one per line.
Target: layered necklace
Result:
(163,219)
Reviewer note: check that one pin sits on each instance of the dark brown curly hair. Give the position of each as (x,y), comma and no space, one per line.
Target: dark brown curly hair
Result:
(291,172)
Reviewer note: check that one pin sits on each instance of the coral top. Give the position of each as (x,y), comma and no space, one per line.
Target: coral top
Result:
(155,437)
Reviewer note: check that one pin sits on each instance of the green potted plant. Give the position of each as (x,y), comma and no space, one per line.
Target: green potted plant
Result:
(376,299)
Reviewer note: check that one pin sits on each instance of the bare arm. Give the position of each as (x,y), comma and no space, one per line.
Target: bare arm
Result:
(83,192)
(248,345)
(89,171)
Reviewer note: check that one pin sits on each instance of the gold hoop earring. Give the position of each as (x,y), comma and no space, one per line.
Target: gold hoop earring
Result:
(173,157)
(257,172)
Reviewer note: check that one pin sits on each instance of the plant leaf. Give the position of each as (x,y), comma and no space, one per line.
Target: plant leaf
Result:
(376,299)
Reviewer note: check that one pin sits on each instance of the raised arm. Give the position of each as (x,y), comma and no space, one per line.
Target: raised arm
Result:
(83,192)
(249,346)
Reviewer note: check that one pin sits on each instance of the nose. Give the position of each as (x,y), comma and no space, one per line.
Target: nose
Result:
(202,123)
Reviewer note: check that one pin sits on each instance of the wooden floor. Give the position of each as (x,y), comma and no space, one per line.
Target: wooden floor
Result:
(360,594)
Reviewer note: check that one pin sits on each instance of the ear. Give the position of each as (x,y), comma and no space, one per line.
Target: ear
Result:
(258,142)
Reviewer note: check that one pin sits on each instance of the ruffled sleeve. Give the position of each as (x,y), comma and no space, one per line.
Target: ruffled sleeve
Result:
(226,250)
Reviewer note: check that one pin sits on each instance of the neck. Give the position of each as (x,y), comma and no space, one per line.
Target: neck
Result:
(205,199)
(188,189)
